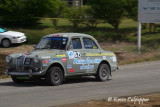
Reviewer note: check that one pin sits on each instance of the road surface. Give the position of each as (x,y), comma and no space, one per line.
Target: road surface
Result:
(134,79)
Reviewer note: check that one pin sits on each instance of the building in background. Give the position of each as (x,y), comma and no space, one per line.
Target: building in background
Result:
(74,3)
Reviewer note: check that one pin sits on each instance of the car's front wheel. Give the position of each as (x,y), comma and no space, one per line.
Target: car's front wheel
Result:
(54,76)
(103,72)
(6,43)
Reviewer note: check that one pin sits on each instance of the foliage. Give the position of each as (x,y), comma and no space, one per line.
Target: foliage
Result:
(21,12)
(89,19)
(111,11)
(75,15)
(131,8)
(55,9)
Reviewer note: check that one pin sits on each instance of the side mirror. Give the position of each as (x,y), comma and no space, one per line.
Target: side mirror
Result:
(34,46)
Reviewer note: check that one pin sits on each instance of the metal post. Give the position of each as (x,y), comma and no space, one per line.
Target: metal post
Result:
(139,38)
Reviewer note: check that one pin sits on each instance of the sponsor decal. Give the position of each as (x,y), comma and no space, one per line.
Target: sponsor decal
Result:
(65,35)
(114,59)
(45,57)
(46,61)
(86,61)
(55,35)
(45,65)
(71,70)
(64,40)
(104,58)
(64,59)
(95,47)
(100,54)
(70,54)
(56,59)
(89,70)
(87,67)
(74,54)
(63,55)
(28,53)
(69,66)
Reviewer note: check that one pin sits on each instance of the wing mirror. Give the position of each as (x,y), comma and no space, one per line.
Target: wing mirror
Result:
(34,46)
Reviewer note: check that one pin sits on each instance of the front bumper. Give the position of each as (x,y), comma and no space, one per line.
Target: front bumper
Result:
(19,40)
(24,73)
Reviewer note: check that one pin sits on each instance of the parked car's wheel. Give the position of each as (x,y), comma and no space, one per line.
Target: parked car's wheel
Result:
(103,72)
(6,43)
(17,80)
(54,76)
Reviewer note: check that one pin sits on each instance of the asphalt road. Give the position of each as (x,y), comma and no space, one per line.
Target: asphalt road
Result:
(134,79)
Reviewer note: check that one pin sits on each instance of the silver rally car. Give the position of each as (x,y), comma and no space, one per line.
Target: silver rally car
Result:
(62,55)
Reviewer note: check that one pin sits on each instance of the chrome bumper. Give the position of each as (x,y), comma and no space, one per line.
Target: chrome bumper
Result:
(29,73)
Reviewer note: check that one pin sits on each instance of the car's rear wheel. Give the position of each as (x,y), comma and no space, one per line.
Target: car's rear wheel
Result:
(6,43)
(103,72)
(17,80)
(54,76)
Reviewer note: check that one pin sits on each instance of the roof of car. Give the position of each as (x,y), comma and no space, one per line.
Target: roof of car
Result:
(68,35)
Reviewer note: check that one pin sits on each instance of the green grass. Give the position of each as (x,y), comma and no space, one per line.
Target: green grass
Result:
(104,32)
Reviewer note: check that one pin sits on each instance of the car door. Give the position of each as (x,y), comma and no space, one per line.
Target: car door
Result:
(75,56)
(92,55)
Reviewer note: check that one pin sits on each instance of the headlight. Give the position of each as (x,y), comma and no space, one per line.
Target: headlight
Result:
(16,37)
(36,59)
(8,59)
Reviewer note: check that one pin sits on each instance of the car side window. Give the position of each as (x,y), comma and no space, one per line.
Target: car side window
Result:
(75,44)
(89,44)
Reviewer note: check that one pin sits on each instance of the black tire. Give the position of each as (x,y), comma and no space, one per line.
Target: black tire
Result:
(17,80)
(6,43)
(103,73)
(54,76)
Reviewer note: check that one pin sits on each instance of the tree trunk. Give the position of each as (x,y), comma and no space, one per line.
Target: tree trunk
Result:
(54,22)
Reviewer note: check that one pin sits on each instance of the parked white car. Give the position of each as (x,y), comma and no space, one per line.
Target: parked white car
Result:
(11,37)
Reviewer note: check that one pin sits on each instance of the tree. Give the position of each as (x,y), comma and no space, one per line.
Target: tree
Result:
(75,15)
(55,9)
(111,11)
(21,12)
(90,20)
(131,8)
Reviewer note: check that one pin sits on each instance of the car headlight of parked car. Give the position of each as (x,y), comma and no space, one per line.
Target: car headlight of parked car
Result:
(36,59)
(16,37)
(8,59)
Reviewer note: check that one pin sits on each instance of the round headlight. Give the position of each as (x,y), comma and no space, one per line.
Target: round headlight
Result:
(36,59)
(8,59)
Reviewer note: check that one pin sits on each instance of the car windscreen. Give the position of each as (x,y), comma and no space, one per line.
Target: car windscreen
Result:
(52,43)
(2,30)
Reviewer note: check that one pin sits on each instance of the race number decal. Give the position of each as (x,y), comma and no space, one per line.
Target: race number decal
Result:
(74,54)
(77,54)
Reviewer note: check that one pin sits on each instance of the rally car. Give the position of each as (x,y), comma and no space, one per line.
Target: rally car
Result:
(62,55)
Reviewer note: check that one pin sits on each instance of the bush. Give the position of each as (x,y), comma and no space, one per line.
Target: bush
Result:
(75,15)
(90,20)
(111,11)
(21,12)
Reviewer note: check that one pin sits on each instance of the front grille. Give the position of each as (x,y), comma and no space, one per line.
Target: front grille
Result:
(27,61)
(20,63)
